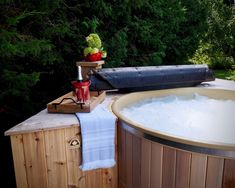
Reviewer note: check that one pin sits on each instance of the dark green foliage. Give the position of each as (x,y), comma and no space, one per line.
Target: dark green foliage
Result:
(221,33)
(217,47)
(153,32)
(40,41)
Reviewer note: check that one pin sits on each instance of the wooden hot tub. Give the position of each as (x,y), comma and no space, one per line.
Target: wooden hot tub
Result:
(149,158)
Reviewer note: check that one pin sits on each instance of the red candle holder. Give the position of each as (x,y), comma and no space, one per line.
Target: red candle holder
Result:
(94,57)
(81,90)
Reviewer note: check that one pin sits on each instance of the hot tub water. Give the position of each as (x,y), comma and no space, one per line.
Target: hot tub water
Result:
(193,116)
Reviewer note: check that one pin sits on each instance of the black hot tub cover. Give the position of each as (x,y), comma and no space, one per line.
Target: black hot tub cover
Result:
(150,77)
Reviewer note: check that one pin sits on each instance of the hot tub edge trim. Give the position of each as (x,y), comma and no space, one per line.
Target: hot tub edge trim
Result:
(216,148)
(178,145)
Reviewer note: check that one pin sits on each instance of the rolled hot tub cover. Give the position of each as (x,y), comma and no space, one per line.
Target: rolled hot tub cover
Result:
(150,77)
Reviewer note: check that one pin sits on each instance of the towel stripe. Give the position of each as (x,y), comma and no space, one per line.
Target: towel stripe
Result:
(98,138)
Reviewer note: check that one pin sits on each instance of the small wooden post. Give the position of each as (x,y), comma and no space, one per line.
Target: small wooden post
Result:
(88,66)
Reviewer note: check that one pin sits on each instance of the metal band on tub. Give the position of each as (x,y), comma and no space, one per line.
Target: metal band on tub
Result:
(178,145)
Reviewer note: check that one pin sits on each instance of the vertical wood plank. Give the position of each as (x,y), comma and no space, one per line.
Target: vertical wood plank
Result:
(94,179)
(183,164)
(198,170)
(35,159)
(122,156)
(115,169)
(19,161)
(214,172)
(156,166)
(129,157)
(109,179)
(121,185)
(110,174)
(145,163)
(168,168)
(56,158)
(229,173)
(73,155)
(136,162)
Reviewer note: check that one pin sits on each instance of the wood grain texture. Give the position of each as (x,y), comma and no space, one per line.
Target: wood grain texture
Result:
(90,64)
(56,158)
(168,167)
(68,106)
(108,178)
(115,168)
(122,157)
(183,165)
(19,161)
(198,170)
(121,185)
(50,162)
(94,178)
(44,121)
(136,181)
(87,67)
(156,165)
(129,156)
(73,155)
(110,175)
(35,158)
(214,172)
(229,174)
(145,163)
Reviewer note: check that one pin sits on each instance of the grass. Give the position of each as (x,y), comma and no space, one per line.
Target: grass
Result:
(225,74)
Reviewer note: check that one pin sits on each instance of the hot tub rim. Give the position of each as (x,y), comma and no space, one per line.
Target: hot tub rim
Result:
(136,96)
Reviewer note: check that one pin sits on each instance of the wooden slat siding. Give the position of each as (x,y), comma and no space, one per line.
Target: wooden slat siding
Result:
(73,155)
(145,163)
(19,161)
(110,175)
(129,171)
(122,158)
(121,185)
(198,170)
(56,158)
(93,178)
(115,169)
(34,149)
(214,175)
(119,149)
(229,173)
(108,178)
(182,173)
(156,165)
(136,158)
(168,167)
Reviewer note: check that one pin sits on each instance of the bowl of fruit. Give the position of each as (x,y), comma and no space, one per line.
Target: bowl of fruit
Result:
(94,51)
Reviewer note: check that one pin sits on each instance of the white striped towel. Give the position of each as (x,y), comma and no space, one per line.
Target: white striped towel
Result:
(98,138)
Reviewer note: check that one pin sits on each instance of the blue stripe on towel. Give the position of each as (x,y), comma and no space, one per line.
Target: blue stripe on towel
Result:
(98,138)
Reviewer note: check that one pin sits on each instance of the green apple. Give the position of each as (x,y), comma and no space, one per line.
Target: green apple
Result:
(103,54)
(86,51)
(94,51)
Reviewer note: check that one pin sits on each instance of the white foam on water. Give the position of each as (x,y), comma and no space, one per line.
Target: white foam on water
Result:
(192,117)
